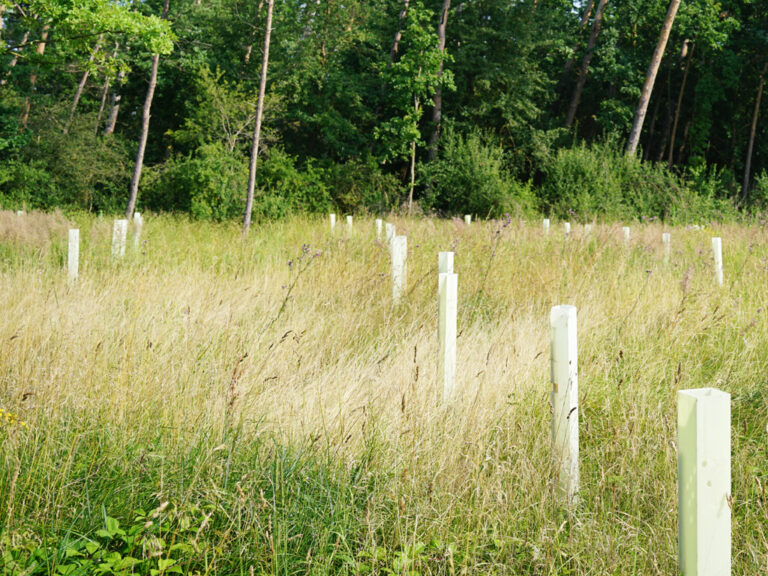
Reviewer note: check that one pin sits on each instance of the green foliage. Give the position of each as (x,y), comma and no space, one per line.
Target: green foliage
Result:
(283,189)
(208,184)
(73,169)
(469,177)
(360,185)
(600,180)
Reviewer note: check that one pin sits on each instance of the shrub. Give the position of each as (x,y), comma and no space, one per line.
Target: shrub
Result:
(361,185)
(210,184)
(283,189)
(601,181)
(469,177)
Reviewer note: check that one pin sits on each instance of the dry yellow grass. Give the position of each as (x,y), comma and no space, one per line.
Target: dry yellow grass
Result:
(175,347)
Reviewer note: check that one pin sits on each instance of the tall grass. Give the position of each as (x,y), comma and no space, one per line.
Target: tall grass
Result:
(286,419)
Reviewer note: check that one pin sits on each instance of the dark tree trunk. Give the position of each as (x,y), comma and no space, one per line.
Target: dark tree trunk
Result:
(399,33)
(650,79)
(437,109)
(81,87)
(752,132)
(40,50)
(570,117)
(679,105)
(257,126)
(145,115)
(582,24)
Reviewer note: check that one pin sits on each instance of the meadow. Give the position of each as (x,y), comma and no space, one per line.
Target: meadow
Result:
(214,405)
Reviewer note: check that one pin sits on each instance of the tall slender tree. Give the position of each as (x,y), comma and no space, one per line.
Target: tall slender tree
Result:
(145,115)
(650,79)
(437,108)
(576,98)
(257,124)
(752,132)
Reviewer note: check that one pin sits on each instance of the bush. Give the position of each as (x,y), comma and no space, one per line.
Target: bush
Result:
(210,184)
(469,177)
(76,169)
(361,185)
(601,181)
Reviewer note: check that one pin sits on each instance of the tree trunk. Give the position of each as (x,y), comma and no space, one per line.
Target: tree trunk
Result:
(81,86)
(40,50)
(412,184)
(399,33)
(585,64)
(645,95)
(584,19)
(104,93)
(752,132)
(115,108)
(15,59)
(437,109)
(679,104)
(257,126)
(145,115)
(652,132)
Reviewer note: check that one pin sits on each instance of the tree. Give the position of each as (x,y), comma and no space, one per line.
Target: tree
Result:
(585,64)
(437,109)
(145,114)
(257,124)
(650,79)
(411,79)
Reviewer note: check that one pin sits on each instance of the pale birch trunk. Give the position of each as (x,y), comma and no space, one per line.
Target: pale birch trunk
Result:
(257,126)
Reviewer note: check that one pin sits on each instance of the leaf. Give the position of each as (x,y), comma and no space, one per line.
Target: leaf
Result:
(113,525)
(165,563)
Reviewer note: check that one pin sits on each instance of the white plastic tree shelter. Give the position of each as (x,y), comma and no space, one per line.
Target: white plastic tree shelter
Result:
(717,250)
(73,255)
(448,294)
(625,229)
(545,223)
(567,226)
(565,399)
(704,482)
(390,234)
(467,219)
(333,221)
(445,263)
(399,263)
(349,222)
(666,239)
(119,234)
(138,224)
(378,228)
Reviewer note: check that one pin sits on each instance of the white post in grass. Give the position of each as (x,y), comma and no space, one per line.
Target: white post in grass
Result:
(73,254)
(567,226)
(138,224)
(546,225)
(333,222)
(626,235)
(448,293)
(717,249)
(399,262)
(704,482)
(565,399)
(349,222)
(19,212)
(666,239)
(467,219)
(445,263)
(119,234)
(390,235)
(378,228)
